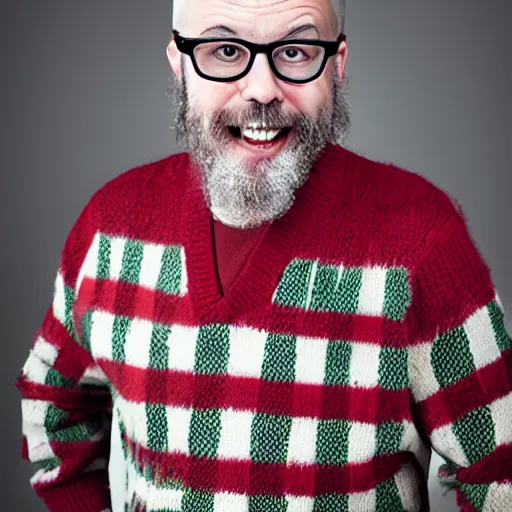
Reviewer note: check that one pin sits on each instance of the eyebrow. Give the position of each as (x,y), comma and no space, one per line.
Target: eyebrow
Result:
(293,32)
(301,29)
(219,28)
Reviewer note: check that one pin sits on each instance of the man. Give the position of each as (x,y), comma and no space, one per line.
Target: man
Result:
(276,323)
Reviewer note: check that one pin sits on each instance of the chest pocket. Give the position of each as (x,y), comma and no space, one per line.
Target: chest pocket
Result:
(374,291)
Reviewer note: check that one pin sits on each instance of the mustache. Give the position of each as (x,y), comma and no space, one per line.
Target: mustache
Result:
(269,114)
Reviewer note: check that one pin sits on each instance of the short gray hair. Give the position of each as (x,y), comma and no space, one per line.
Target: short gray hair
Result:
(338,5)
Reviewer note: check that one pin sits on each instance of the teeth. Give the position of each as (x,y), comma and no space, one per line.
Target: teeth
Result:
(260,135)
(256,126)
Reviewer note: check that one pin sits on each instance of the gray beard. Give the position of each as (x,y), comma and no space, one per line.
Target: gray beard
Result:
(245,194)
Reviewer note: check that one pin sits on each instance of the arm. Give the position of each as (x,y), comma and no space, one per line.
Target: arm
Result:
(460,369)
(65,402)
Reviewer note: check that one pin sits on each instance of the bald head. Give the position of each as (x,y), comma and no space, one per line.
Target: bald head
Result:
(179,14)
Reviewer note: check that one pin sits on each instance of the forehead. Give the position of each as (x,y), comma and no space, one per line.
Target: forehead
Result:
(258,19)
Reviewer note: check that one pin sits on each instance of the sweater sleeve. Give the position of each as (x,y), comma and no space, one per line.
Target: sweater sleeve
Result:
(460,369)
(66,404)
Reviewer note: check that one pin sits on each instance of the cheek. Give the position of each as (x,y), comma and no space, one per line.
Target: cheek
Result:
(208,96)
(308,98)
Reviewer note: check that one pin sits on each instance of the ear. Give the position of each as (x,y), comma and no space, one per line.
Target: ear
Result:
(174,57)
(341,60)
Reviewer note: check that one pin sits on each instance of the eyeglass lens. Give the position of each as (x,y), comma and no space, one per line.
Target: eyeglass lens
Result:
(225,59)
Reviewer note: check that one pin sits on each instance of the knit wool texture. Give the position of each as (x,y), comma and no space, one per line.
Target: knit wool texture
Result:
(363,330)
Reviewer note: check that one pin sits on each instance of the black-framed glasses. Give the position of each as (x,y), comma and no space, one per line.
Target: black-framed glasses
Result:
(297,61)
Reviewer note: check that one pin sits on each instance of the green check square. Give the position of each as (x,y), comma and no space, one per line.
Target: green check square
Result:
(270,436)
(197,501)
(347,294)
(50,464)
(475,433)
(332,442)
(157,427)
(270,503)
(292,291)
(204,433)
(78,433)
(104,254)
(279,358)
(497,318)
(86,328)
(132,261)
(69,303)
(388,497)
(393,368)
(476,494)
(159,348)
(324,288)
(169,280)
(389,437)
(119,333)
(212,350)
(56,379)
(331,503)
(451,357)
(397,294)
(337,364)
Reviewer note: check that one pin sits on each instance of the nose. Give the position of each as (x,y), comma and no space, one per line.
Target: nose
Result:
(260,84)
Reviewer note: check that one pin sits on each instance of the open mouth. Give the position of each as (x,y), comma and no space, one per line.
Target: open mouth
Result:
(259,136)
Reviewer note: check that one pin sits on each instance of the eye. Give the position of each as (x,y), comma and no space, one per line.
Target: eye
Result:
(227,53)
(292,54)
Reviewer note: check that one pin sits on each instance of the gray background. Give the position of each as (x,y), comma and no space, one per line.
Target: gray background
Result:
(83,98)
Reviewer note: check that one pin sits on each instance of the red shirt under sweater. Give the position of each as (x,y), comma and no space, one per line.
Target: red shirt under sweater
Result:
(233,247)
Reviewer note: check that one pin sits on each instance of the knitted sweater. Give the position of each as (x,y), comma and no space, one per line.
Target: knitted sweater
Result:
(363,331)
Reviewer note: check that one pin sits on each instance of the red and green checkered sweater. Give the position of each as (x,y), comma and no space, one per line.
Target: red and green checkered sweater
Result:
(363,331)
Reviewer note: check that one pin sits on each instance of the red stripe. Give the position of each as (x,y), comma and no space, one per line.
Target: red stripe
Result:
(77,456)
(251,478)
(159,307)
(153,305)
(478,390)
(496,467)
(89,492)
(72,399)
(373,329)
(174,388)
(53,331)
(73,360)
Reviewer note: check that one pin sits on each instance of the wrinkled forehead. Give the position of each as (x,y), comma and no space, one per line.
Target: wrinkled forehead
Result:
(254,19)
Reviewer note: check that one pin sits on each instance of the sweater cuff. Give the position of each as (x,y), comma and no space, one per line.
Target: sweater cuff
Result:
(90,493)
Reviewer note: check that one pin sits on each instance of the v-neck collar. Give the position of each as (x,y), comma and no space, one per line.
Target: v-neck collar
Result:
(282,241)
(233,248)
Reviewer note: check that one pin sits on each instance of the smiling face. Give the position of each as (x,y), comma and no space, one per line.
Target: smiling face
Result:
(256,139)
